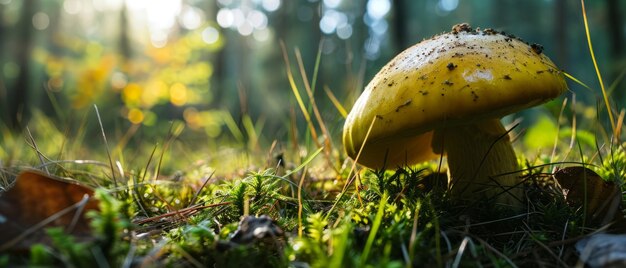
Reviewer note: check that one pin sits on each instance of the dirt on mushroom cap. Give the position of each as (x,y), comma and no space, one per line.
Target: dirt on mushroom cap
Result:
(453,78)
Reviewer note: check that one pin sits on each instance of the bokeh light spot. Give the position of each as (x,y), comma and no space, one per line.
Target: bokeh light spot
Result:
(263,35)
(191,18)
(192,118)
(132,93)
(245,29)
(162,14)
(225,18)
(377,9)
(447,5)
(178,94)
(332,3)
(72,6)
(118,80)
(55,84)
(158,39)
(270,5)
(332,20)
(257,19)
(210,35)
(41,21)
(344,31)
(135,116)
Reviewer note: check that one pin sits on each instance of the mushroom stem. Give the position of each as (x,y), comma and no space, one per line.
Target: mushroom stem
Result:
(479,158)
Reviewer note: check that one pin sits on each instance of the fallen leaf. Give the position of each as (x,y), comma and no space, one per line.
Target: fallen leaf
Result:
(38,200)
(601,199)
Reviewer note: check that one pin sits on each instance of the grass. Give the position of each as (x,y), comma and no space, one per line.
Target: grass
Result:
(188,216)
(167,202)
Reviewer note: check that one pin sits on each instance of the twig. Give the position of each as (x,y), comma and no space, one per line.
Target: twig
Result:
(195,196)
(180,211)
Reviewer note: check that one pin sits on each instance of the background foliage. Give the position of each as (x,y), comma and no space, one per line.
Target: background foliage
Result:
(217,66)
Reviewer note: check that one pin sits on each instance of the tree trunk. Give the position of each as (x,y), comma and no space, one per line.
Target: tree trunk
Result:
(124,40)
(18,97)
(3,91)
(399,25)
(617,41)
(615,28)
(560,32)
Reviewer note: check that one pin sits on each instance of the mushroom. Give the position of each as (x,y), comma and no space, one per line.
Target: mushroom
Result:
(446,95)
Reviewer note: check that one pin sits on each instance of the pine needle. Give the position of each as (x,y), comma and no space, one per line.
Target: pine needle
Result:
(300,226)
(106,145)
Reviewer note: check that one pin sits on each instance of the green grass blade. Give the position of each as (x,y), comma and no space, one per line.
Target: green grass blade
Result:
(230,123)
(304,163)
(318,58)
(316,112)
(375,226)
(336,102)
(251,131)
(616,82)
(296,94)
(595,65)
(340,244)
(577,81)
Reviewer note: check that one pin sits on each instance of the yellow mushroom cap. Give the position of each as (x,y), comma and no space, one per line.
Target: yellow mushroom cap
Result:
(455,78)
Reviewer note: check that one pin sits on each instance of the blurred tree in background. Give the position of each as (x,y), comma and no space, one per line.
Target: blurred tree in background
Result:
(217,65)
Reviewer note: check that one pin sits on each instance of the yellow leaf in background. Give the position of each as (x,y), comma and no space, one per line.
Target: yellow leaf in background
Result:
(92,81)
(131,94)
(192,118)
(212,123)
(207,120)
(159,89)
(54,66)
(161,55)
(178,94)
(181,53)
(541,134)
(151,95)
(135,116)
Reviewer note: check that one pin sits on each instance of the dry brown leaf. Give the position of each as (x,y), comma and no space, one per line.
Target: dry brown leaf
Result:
(582,186)
(38,200)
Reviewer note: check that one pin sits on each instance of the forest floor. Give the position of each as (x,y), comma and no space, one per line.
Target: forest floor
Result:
(277,208)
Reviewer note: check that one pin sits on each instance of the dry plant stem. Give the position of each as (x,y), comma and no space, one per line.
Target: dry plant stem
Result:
(479,155)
